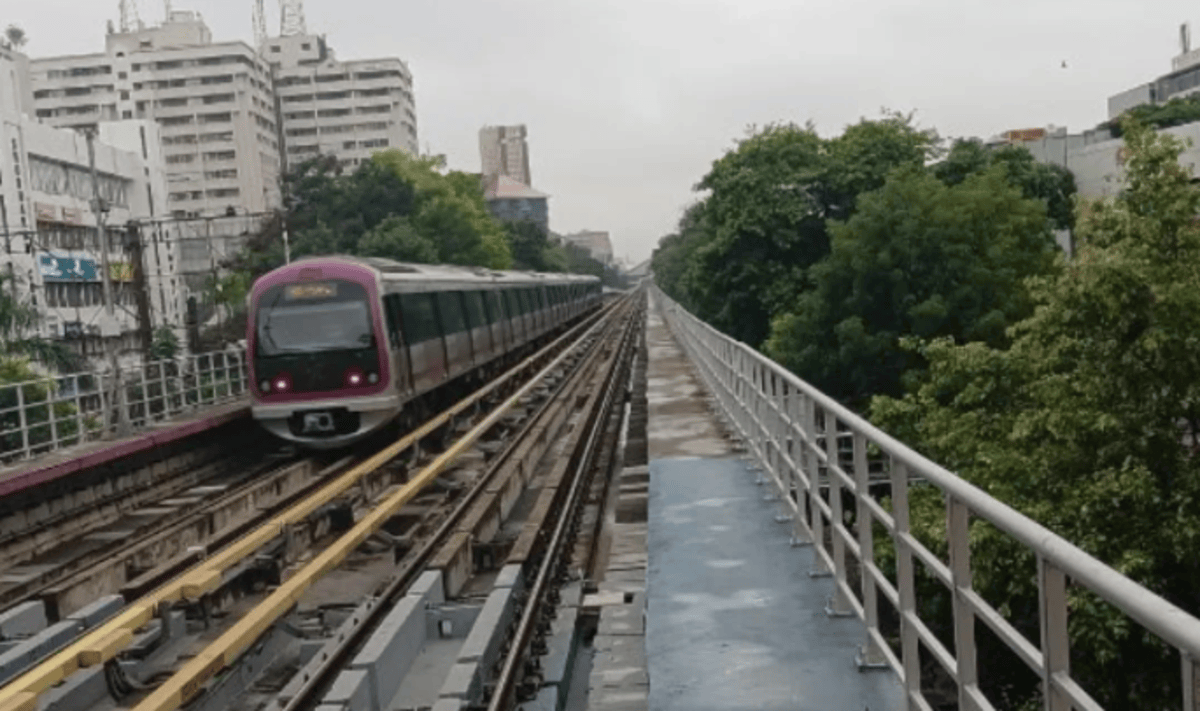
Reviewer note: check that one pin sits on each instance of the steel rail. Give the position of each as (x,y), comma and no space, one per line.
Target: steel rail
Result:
(506,683)
(186,683)
(110,638)
(414,563)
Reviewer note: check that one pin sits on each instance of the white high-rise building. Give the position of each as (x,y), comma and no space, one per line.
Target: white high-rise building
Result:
(505,151)
(348,109)
(212,100)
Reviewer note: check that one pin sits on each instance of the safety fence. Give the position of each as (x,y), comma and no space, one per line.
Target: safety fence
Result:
(797,436)
(63,410)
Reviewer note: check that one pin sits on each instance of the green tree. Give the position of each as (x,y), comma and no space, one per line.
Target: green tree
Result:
(1088,422)
(396,238)
(917,258)
(531,248)
(1052,184)
(764,218)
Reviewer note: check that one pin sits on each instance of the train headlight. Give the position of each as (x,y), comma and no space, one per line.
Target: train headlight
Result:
(282,383)
(265,386)
(373,378)
(354,377)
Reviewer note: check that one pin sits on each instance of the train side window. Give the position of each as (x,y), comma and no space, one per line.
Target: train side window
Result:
(475,314)
(451,310)
(420,319)
(511,304)
(526,302)
(495,306)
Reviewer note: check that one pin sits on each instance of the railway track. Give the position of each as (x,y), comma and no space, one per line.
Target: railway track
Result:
(251,577)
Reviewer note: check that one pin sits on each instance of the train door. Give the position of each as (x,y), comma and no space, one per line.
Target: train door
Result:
(423,333)
(454,330)
(400,367)
(512,307)
(493,304)
(483,347)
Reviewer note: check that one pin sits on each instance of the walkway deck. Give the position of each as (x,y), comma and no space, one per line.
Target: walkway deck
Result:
(733,620)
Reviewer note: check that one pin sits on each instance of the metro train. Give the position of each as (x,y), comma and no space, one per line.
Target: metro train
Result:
(338,346)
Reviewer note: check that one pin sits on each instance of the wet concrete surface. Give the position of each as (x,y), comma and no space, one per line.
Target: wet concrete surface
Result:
(733,619)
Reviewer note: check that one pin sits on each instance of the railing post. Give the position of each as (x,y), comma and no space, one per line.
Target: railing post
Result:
(24,421)
(839,606)
(816,518)
(870,656)
(81,433)
(909,647)
(51,415)
(958,536)
(800,456)
(1191,681)
(1056,650)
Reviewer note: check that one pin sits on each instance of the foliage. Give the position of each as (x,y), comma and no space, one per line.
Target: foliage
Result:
(1175,112)
(745,250)
(22,383)
(1088,422)
(165,344)
(1052,184)
(394,205)
(531,248)
(14,38)
(917,258)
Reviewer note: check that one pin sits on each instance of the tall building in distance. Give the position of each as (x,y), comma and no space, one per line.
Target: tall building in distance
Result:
(595,242)
(505,151)
(348,109)
(213,102)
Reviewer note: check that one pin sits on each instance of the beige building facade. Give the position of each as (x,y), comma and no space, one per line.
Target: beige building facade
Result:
(213,103)
(504,150)
(347,109)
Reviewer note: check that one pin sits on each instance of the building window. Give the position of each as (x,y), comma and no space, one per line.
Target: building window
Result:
(127,114)
(306,46)
(124,96)
(275,48)
(122,75)
(223,193)
(220,155)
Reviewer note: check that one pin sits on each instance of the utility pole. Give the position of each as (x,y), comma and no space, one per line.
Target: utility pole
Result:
(101,210)
(141,289)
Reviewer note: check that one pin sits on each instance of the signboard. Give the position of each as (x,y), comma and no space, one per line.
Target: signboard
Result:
(1025,134)
(54,268)
(120,271)
(313,290)
(72,216)
(44,212)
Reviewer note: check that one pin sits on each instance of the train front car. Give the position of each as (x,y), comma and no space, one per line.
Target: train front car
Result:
(319,354)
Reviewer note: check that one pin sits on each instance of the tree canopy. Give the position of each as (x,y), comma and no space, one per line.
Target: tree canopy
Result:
(750,242)
(918,258)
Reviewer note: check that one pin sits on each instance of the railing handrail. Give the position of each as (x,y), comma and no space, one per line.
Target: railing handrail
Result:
(764,422)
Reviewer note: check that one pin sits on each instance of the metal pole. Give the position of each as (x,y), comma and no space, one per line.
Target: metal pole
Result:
(98,209)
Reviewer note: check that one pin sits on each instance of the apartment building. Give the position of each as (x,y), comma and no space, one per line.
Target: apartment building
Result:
(596,243)
(348,109)
(213,102)
(504,150)
(52,254)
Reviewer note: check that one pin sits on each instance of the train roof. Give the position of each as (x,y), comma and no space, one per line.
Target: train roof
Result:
(392,270)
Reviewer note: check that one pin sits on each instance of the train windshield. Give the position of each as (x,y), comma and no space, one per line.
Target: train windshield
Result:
(313,317)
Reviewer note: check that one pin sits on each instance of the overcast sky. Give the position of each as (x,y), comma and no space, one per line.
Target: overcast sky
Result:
(628,102)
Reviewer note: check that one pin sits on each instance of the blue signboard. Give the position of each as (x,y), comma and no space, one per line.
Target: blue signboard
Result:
(56,268)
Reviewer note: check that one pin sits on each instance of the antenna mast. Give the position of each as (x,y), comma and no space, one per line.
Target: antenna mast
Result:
(291,18)
(260,25)
(129,16)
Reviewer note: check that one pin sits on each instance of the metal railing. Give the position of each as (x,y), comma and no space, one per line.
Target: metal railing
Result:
(793,431)
(63,410)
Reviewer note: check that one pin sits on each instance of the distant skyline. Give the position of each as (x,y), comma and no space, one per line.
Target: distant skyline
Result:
(628,102)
